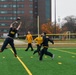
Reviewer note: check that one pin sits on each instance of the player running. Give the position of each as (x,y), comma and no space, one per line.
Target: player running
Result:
(45,47)
(29,38)
(38,40)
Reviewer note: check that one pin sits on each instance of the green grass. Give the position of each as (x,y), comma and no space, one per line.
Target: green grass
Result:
(1,40)
(10,65)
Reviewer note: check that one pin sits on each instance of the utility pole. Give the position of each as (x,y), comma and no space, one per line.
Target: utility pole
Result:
(55,14)
(16,10)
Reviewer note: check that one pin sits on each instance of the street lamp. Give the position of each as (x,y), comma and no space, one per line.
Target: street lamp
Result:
(16,9)
(55,14)
(12,11)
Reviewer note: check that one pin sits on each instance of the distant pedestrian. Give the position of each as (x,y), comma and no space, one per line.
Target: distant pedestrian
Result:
(29,39)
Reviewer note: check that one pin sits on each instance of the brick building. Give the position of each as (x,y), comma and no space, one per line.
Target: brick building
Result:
(28,10)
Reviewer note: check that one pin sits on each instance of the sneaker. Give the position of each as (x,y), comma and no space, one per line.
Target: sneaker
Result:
(39,52)
(6,48)
(31,50)
(0,51)
(53,56)
(33,53)
(25,50)
(15,55)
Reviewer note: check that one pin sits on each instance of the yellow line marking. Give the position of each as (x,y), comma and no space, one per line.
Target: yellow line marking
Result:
(25,67)
(59,63)
(3,57)
(59,56)
(65,51)
(73,56)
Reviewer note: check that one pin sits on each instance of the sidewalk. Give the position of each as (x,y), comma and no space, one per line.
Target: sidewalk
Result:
(19,42)
(23,42)
(16,42)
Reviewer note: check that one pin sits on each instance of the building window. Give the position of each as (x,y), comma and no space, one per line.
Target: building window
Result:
(7,12)
(30,11)
(36,7)
(5,6)
(20,12)
(30,0)
(3,24)
(35,12)
(5,30)
(3,0)
(31,6)
(14,6)
(3,12)
(31,17)
(36,0)
(6,18)
(18,0)
(47,9)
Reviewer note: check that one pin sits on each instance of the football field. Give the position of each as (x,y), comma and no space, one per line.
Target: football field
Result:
(26,63)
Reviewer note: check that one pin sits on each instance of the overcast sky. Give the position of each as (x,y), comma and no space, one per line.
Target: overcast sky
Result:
(64,8)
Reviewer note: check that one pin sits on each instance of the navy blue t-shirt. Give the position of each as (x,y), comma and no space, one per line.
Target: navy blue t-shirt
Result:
(12,32)
(46,40)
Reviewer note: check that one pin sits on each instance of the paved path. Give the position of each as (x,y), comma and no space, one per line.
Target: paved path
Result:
(19,42)
(23,42)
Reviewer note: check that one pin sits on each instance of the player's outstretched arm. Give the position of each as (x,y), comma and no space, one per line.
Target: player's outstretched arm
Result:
(19,26)
(11,25)
(51,41)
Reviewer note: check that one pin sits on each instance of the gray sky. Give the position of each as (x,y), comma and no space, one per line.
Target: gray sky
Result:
(64,8)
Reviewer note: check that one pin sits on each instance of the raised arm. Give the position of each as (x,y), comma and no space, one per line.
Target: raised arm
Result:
(19,26)
(51,41)
(11,25)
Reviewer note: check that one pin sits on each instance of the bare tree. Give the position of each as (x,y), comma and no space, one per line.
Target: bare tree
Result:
(70,25)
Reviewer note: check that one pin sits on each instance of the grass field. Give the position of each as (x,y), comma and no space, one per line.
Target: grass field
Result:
(26,63)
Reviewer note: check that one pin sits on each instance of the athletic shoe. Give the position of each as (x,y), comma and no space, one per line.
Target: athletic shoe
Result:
(26,50)
(40,59)
(15,55)
(53,56)
(6,48)
(0,51)
(33,53)
(31,50)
